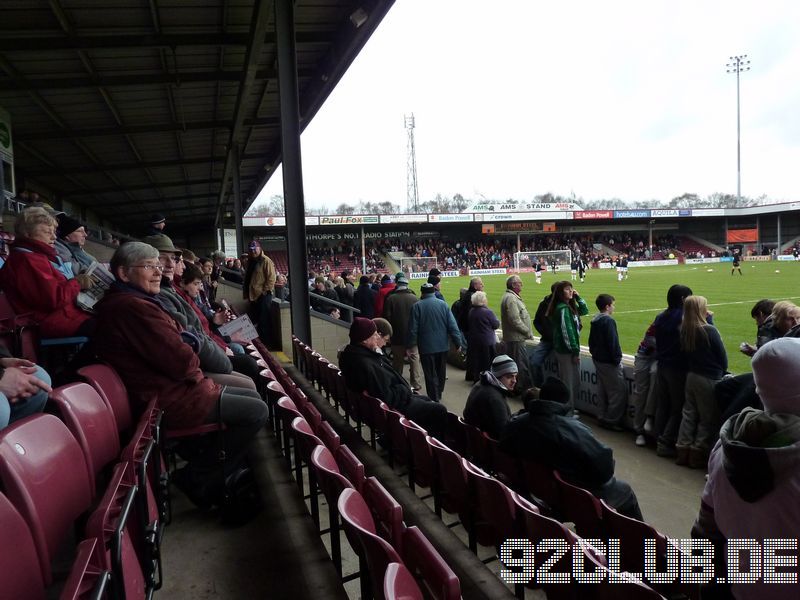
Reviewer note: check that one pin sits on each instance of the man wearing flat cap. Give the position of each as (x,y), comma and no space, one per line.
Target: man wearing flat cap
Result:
(487,405)
(366,369)
(258,287)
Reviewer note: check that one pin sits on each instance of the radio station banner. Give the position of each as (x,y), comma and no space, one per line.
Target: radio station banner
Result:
(473,272)
(451,218)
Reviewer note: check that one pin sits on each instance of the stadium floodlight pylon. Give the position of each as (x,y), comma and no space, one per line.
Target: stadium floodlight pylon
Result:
(525,262)
(417,264)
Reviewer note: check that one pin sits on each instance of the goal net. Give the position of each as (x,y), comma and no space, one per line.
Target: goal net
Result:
(527,261)
(416,267)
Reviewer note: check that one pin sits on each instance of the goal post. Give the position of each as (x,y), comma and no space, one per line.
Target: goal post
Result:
(409,265)
(526,261)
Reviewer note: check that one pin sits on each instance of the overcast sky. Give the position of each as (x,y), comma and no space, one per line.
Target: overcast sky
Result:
(514,98)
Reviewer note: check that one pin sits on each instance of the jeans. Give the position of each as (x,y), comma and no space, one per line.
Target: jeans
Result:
(644,388)
(537,358)
(23,407)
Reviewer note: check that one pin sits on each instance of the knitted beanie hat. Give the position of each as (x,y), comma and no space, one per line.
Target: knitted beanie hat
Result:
(503,364)
(361,329)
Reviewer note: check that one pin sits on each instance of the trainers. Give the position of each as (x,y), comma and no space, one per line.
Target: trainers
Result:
(576,414)
(648,425)
(641,440)
(665,450)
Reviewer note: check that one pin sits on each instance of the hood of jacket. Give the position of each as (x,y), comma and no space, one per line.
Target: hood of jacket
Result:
(488,378)
(759,450)
(599,317)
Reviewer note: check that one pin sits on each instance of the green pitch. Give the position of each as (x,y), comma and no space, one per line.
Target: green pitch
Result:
(644,294)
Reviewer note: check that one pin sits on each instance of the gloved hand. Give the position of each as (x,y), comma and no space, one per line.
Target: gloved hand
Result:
(85,281)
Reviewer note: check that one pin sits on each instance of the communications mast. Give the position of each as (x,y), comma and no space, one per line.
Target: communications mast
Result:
(412,191)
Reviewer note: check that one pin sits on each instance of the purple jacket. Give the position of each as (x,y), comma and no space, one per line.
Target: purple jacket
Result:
(482,324)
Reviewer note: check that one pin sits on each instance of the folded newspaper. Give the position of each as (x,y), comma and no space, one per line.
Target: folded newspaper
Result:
(103,280)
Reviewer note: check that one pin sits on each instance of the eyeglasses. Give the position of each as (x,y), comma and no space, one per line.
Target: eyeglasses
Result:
(149,267)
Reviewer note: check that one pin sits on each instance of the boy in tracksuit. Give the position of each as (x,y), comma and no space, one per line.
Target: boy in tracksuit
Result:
(607,358)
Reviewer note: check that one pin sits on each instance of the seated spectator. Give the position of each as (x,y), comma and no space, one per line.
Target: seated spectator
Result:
(365,369)
(70,239)
(487,407)
(547,433)
(23,388)
(156,358)
(209,284)
(751,491)
(785,319)
(762,313)
(37,281)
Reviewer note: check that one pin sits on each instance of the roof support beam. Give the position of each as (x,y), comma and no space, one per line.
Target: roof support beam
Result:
(141,186)
(139,129)
(35,43)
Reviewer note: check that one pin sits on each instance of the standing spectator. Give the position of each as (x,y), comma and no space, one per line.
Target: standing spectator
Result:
(516,325)
(23,388)
(387,285)
(430,326)
(258,288)
(281,287)
(366,370)
(436,282)
(607,358)
(751,491)
(481,335)
(397,310)
(487,404)
(36,280)
(671,370)
(157,224)
(644,386)
(545,346)
(565,310)
(320,291)
(346,296)
(364,298)
(707,363)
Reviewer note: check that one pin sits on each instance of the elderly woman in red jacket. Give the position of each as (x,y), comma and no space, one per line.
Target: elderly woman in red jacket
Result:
(38,283)
(156,359)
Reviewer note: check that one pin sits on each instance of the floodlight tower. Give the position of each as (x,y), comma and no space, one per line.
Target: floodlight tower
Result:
(412,191)
(738,64)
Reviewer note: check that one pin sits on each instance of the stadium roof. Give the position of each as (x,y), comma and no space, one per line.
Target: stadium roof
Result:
(131,107)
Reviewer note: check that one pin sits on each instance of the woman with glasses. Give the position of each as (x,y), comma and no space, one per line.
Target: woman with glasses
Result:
(156,358)
(37,282)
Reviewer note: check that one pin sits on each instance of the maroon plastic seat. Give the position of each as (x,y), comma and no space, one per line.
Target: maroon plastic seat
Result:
(91,421)
(451,492)
(541,482)
(505,467)
(456,435)
(311,414)
(329,437)
(286,412)
(305,442)
(106,382)
(350,467)
(332,483)
(493,507)
(632,535)
(477,447)
(399,452)
(110,524)
(87,578)
(421,467)
(374,553)
(428,566)
(579,506)
(369,407)
(399,584)
(48,483)
(386,512)
(19,563)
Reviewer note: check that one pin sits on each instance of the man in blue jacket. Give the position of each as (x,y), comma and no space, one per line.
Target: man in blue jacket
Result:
(429,327)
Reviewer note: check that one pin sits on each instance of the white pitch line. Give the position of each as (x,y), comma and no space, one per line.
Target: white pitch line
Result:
(644,310)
